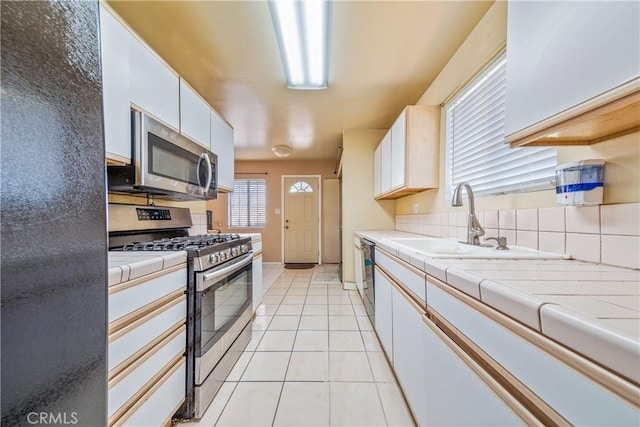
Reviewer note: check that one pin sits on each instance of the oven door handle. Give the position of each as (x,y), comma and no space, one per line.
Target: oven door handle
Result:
(214,277)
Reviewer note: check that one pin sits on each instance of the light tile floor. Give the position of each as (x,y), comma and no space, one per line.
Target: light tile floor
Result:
(313,360)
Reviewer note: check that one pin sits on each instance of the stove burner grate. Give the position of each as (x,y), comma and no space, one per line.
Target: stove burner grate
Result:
(181,243)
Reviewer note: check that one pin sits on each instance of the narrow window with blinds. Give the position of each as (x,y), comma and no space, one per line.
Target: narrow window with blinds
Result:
(248,204)
(476,151)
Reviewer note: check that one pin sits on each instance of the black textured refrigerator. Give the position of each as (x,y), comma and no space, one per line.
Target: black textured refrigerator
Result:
(53,216)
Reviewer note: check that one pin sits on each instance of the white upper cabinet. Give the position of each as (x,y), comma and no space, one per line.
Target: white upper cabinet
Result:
(377,164)
(222,145)
(195,116)
(385,163)
(398,150)
(154,86)
(114,44)
(572,71)
(409,154)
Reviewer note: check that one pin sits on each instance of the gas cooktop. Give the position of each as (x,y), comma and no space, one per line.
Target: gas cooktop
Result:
(181,243)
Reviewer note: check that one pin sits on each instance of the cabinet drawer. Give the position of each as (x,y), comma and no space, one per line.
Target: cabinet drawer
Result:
(409,278)
(124,387)
(157,406)
(574,396)
(139,336)
(128,297)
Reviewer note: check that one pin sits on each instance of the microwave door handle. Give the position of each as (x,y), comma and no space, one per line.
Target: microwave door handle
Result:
(209,172)
(211,279)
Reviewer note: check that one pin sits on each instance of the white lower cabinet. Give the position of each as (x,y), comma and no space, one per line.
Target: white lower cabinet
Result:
(383,311)
(439,386)
(164,398)
(147,338)
(408,355)
(256,275)
(459,362)
(454,393)
(256,281)
(570,394)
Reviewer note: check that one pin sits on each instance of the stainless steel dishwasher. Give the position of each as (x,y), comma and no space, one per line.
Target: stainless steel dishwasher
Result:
(368,294)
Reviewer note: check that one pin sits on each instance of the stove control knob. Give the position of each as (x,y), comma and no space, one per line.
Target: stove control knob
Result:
(244,248)
(235,251)
(213,258)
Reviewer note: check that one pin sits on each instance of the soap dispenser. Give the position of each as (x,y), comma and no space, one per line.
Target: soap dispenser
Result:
(580,183)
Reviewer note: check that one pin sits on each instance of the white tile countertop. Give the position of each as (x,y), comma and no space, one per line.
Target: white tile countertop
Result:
(254,236)
(129,265)
(591,308)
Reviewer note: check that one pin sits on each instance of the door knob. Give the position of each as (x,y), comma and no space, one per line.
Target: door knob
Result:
(286,227)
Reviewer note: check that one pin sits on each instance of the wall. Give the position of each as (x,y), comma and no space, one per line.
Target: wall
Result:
(622,175)
(360,211)
(272,233)
(331,221)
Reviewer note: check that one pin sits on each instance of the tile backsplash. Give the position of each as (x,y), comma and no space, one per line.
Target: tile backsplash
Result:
(608,234)
(199,224)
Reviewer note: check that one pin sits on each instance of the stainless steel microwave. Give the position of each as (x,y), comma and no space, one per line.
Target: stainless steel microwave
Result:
(165,163)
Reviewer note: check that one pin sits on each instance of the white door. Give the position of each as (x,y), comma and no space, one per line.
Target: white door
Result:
(301,219)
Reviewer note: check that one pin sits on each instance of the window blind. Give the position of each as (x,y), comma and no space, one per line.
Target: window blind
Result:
(476,150)
(248,203)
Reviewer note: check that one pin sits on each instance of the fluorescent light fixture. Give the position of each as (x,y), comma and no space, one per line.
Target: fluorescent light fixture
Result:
(302,29)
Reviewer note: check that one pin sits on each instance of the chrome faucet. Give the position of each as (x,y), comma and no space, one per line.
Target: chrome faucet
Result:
(474,229)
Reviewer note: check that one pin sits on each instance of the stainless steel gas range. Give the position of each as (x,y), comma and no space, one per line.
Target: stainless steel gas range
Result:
(219,291)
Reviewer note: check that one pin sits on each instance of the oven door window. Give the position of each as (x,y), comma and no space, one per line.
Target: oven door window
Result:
(221,305)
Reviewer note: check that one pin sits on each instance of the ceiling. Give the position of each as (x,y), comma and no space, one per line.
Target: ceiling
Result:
(383,56)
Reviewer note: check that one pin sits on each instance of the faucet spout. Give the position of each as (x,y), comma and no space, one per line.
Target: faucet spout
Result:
(474,229)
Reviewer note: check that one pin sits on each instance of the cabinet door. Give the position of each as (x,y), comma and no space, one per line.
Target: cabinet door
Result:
(194,116)
(560,54)
(385,163)
(377,173)
(114,45)
(455,395)
(383,312)
(256,279)
(575,397)
(408,356)
(398,150)
(154,86)
(222,145)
